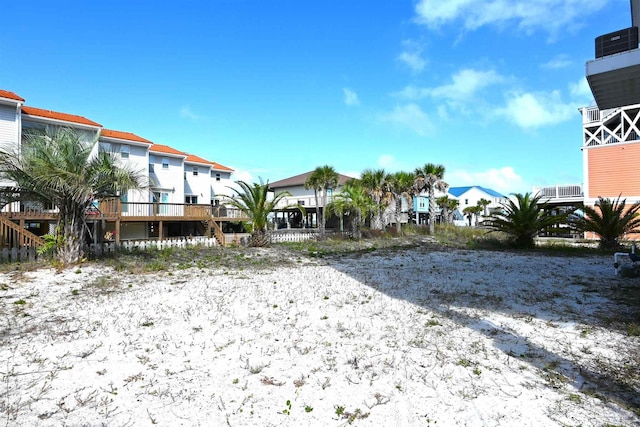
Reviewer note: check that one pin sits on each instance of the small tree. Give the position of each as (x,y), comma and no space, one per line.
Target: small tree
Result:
(401,188)
(609,219)
(253,201)
(376,184)
(522,219)
(429,178)
(472,212)
(484,203)
(322,179)
(354,201)
(447,207)
(62,169)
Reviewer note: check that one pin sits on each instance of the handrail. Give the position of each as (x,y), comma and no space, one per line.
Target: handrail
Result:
(24,237)
(217,232)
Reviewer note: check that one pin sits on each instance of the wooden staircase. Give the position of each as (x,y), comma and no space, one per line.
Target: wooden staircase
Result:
(14,236)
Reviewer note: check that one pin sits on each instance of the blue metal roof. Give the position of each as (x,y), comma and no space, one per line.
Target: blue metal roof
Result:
(458,191)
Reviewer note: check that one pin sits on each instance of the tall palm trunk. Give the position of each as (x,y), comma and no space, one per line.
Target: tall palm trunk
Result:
(398,215)
(432,210)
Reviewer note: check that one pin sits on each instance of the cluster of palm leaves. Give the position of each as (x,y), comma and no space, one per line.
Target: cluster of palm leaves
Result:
(60,167)
(524,217)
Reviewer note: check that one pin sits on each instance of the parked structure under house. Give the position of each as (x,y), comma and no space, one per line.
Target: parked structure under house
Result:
(182,195)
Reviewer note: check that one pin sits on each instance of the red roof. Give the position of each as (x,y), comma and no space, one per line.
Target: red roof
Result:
(158,148)
(108,133)
(218,166)
(10,95)
(72,118)
(195,159)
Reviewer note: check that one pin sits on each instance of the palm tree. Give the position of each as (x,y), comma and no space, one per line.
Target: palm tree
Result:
(484,203)
(322,179)
(609,219)
(523,219)
(400,185)
(353,200)
(253,201)
(62,169)
(375,182)
(429,179)
(448,207)
(471,212)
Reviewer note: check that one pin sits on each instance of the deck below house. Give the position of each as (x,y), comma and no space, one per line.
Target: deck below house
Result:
(112,214)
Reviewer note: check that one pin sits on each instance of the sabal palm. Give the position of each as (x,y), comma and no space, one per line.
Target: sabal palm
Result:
(429,178)
(448,207)
(375,182)
(354,200)
(609,219)
(61,168)
(401,188)
(523,219)
(321,179)
(253,201)
(472,212)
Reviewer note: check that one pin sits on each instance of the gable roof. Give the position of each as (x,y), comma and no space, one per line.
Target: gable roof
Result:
(219,167)
(301,179)
(165,149)
(459,191)
(128,136)
(48,114)
(10,95)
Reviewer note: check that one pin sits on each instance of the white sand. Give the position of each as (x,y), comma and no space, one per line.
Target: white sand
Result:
(402,338)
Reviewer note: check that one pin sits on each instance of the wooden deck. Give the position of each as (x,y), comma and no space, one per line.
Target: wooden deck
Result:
(114,210)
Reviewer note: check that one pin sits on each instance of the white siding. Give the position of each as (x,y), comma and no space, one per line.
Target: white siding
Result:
(8,127)
(197,185)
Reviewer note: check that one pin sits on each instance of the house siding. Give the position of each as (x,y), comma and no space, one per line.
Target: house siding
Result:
(8,126)
(614,170)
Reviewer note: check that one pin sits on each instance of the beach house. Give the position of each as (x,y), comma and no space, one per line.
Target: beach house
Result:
(182,193)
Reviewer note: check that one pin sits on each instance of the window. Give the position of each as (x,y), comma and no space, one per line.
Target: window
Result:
(217,177)
(466,201)
(300,202)
(195,171)
(124,151)
(151,168)
(191,200)
(165,163)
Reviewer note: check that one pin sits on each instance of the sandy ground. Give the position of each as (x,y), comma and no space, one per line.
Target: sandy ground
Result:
(388,338)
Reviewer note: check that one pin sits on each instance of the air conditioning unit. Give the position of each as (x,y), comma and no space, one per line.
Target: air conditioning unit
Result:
(616,42)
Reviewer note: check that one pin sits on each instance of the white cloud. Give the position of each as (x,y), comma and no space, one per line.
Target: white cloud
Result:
(412,117)
(504,180)
(387,161)
(560,61)
(580,91)
(533,110)
(187,113)
(463,86)
(551,16)
(465,83)
(350,97)
(411,56)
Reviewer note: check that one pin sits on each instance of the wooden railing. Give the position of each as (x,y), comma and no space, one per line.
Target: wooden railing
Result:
(217,232)
(116,208)
(14,236)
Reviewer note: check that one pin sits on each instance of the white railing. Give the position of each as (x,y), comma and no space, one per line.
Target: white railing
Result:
(590,115)
(559,191)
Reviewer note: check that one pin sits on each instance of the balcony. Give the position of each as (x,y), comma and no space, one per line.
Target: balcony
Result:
(558,194)
(114,209)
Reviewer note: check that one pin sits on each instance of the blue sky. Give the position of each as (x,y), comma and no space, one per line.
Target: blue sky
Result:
(490,89)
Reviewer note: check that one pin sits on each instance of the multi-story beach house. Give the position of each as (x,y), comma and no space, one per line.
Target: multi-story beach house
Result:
(182,194)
